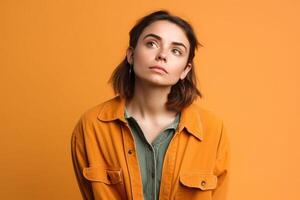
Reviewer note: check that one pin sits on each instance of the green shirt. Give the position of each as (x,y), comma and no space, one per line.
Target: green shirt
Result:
(151,156)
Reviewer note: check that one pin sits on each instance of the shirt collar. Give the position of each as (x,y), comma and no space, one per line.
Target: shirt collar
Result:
(113,109)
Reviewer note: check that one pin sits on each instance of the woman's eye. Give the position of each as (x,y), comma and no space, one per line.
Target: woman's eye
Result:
(151,44)
(177,51)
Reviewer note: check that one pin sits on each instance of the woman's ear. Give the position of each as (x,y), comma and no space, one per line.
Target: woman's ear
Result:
(129,55)
(186,70)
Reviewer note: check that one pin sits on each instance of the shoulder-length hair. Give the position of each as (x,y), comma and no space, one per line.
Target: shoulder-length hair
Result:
(185,91)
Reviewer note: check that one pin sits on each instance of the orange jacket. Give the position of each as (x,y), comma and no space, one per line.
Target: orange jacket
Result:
(106,164)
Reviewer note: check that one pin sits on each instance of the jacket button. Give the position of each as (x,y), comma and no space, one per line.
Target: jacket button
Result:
(130,151)
(203,183)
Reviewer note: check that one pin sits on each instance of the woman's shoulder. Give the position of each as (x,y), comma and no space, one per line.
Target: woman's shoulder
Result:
(92,113)
(211,123)
(91,116)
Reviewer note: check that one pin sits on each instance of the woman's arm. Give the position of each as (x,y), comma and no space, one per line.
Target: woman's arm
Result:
(79,160)
(222,166)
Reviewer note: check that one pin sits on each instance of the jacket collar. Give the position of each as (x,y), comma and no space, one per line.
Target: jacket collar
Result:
(113,109)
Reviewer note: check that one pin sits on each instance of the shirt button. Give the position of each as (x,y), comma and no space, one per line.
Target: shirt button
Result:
(203,183)
(130,151)
(153,175)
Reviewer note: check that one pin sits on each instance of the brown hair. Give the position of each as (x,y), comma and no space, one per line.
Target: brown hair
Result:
(185,91)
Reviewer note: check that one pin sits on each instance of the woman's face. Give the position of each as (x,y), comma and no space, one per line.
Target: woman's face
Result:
(162,44)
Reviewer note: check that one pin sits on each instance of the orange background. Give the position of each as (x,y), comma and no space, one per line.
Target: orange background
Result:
(56,58)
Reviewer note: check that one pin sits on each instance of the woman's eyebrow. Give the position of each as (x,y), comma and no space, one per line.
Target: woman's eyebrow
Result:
(159,38)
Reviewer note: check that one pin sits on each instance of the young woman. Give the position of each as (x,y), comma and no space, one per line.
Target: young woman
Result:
(151,141)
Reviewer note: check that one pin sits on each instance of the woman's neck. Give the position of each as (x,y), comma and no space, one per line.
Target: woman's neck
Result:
(148,102)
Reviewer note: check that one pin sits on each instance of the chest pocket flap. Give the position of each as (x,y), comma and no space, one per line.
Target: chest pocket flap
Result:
(199,180)
(107,176)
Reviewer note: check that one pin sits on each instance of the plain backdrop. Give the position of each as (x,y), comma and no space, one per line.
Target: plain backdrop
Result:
(56,57)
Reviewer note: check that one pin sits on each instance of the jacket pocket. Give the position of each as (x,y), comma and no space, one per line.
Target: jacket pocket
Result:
(106,176)
(196,185)
(107,183)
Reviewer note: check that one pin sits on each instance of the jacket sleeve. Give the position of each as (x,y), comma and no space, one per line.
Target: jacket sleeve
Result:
(222,166)
(79,160)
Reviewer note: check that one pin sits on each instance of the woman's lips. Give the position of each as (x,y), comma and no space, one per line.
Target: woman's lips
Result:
(159,68)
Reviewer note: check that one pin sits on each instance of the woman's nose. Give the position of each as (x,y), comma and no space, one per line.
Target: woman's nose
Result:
(161,56)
